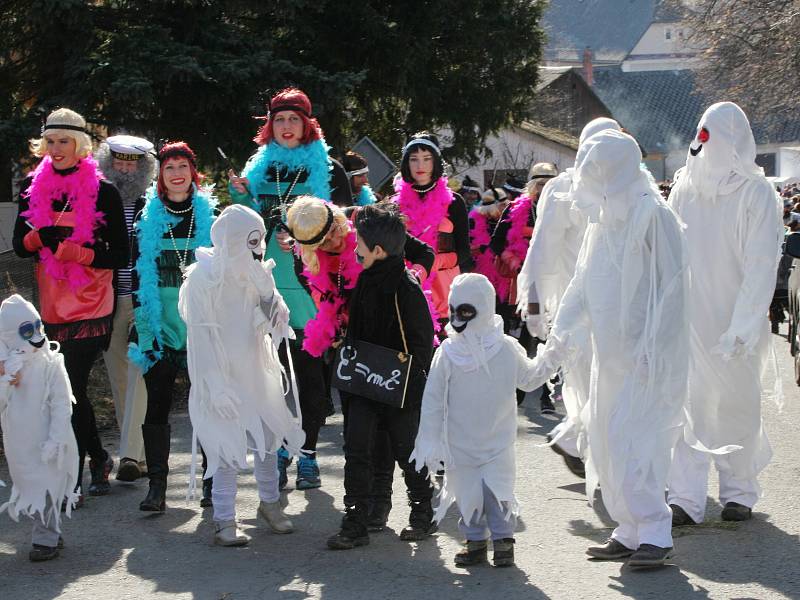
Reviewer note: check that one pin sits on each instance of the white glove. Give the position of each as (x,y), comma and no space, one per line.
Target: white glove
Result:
(729,347)
(50,451)
(537,326)
(261,276)
(224,404)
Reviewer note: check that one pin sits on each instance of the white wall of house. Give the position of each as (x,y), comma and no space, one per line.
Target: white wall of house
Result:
(515,148)
(663,47)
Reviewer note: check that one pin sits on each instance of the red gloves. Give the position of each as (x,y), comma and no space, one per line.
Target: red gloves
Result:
(70,251)
(32,241)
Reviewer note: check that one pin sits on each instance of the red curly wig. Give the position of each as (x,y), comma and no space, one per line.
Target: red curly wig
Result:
(295,100)
(171,151)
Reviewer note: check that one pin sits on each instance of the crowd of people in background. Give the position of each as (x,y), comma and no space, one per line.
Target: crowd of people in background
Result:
(575,281)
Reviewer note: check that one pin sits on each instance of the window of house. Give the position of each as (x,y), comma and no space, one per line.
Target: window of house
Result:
(668,34)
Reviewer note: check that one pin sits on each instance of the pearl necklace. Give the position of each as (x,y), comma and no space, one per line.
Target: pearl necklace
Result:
(282,199)
(182,259)
(61,214)
(426,190)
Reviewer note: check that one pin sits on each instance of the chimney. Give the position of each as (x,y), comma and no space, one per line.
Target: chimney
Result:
(588,70)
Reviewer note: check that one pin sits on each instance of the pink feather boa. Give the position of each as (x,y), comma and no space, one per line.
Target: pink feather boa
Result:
(424,214)
(81,189)
(321,331)
(480,236)
(516,243)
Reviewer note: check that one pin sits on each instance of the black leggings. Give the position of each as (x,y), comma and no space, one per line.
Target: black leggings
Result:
(160,383)
(312,388)
(79,357)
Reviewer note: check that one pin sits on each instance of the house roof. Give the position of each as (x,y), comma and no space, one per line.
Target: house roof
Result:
(610,28)
(554,135)
(661,109)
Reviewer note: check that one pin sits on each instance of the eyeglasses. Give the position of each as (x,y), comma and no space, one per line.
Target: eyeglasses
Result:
(29,328)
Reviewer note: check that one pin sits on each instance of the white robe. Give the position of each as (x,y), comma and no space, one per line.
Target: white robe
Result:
(469,422)
(734,243)
(548,268)
(229,348)
(38,410)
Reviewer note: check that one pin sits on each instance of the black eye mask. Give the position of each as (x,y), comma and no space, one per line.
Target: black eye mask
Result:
(461,316)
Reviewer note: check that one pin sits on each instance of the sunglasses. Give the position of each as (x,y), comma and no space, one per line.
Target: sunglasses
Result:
(29,328)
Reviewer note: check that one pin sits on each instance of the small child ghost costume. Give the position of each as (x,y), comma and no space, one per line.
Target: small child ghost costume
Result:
(236,319)
(469,417)
(35,415)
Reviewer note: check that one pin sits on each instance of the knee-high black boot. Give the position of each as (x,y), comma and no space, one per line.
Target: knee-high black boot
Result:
(156,450)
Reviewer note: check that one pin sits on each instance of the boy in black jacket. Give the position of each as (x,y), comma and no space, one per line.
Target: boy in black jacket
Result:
(373,319)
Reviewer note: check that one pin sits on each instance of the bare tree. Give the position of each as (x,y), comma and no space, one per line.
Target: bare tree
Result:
(750,52)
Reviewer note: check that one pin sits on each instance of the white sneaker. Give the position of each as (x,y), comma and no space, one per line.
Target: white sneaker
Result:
(273,514)
(226,534)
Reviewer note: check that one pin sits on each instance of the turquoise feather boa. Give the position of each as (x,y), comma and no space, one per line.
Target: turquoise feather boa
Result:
(150,230)
(365,196)
(313,157)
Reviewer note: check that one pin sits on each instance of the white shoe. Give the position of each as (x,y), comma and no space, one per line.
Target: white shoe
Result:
(273,514)
(226,534)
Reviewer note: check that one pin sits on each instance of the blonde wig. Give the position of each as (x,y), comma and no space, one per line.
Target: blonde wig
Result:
(64,116)
(307,219)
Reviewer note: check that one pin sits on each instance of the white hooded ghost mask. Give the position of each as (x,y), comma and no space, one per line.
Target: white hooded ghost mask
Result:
(475,332)
(608,165)
(723,148)
(596,126)
(21,332)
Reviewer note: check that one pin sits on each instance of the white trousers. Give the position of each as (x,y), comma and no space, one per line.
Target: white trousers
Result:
(688,483)
(127,383)
(646,519)
(223,491)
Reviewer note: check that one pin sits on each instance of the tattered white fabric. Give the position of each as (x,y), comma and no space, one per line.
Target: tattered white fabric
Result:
(549,267)
(235,318)
(628,294)
(469,410)
(35,415)
(734,232)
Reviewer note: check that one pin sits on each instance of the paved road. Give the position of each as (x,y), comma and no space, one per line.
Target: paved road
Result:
(115,552)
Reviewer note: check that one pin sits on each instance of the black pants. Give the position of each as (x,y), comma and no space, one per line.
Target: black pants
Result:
(382,459)
(160,383)
(363,421)
(312,388)
(79,357)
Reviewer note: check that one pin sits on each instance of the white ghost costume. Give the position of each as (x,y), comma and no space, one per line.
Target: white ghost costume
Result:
(39,443)
(734,231)
(548,268)
(469,410)
(235,321)
(629,293)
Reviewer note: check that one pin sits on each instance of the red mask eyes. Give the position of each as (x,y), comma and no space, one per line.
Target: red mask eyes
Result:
(703,135)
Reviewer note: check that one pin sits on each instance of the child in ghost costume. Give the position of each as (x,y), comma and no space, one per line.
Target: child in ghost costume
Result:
(548,268)
(734,232)
(236,319)
(469,420)
(628,293)
(35,414)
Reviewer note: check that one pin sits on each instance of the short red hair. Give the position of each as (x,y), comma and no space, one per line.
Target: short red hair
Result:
(174,151)
(295,100)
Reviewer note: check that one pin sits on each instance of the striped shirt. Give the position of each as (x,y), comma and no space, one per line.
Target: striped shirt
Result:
(124,283)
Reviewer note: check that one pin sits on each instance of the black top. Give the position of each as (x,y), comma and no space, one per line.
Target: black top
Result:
(457,213)
(373,317)
(110,247)
(500,232)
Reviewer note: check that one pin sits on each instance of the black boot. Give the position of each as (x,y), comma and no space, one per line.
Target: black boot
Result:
(420,522)
(353,532)
(206,500)
(100,470)
(156,449)
(379,514)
